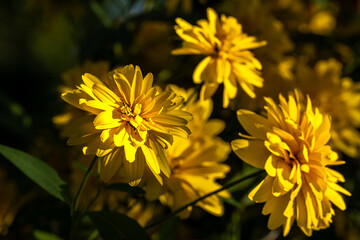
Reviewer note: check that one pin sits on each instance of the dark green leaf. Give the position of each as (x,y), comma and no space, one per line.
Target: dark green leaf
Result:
(38,171)
(81,166)
(113,225)
(124,187)
(41,235)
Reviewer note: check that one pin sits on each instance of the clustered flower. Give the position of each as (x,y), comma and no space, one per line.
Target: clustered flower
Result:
(196,162)
(164,141)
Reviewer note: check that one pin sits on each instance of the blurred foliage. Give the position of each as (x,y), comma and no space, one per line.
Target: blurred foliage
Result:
(42,39)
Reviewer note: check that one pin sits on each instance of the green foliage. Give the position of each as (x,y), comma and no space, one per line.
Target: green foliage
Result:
(38,171)
(113,225)
(41,235)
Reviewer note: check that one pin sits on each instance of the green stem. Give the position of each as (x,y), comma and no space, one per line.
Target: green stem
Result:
(98,189)
(83,183)
(225,186)
(74,219)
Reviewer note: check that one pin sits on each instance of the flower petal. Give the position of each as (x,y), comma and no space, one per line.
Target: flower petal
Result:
(252,152)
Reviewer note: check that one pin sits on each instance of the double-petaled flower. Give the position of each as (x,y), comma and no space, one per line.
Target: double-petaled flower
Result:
(228,59)
(290,144)
(129,123)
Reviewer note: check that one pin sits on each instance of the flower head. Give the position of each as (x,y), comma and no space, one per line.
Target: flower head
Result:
(336,96)
(129,123)
(195,163)
(228,60)
(290,144)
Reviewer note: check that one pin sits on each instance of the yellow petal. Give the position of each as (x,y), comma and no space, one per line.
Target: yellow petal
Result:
(107,119)
(208,90)
(254,124)
(213,19)
(163,163)
(270,165)
(136,85)
(183,24)
(134,170)
(252,152)
(121,136)
(90,80)
(335,198)
(200,68)
(147,83)
(283,171)
(261,192)
(151,159)
(105,94)
(110,164)
(214,127)
(169,120)
(130,153)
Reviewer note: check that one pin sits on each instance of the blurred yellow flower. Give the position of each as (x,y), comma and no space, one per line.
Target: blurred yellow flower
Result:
(195,163)
(228,60)
(290,144)
(336,96)
(129,124)
(144,212)
(322,23)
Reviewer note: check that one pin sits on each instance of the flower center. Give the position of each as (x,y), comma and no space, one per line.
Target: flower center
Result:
(132,115)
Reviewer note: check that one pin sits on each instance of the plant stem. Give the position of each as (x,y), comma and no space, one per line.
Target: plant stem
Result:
(98,189)
(75,219)
(225,186)
(83,183)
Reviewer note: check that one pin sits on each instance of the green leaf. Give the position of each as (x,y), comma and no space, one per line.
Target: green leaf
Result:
(81,166)
(113,225)
(124,187)
(41,235)
(38,171)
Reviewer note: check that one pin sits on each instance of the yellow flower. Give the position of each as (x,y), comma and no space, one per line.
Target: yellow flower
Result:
(290,144)
(129,124)
(336,96)
(228,60)
(195,163)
